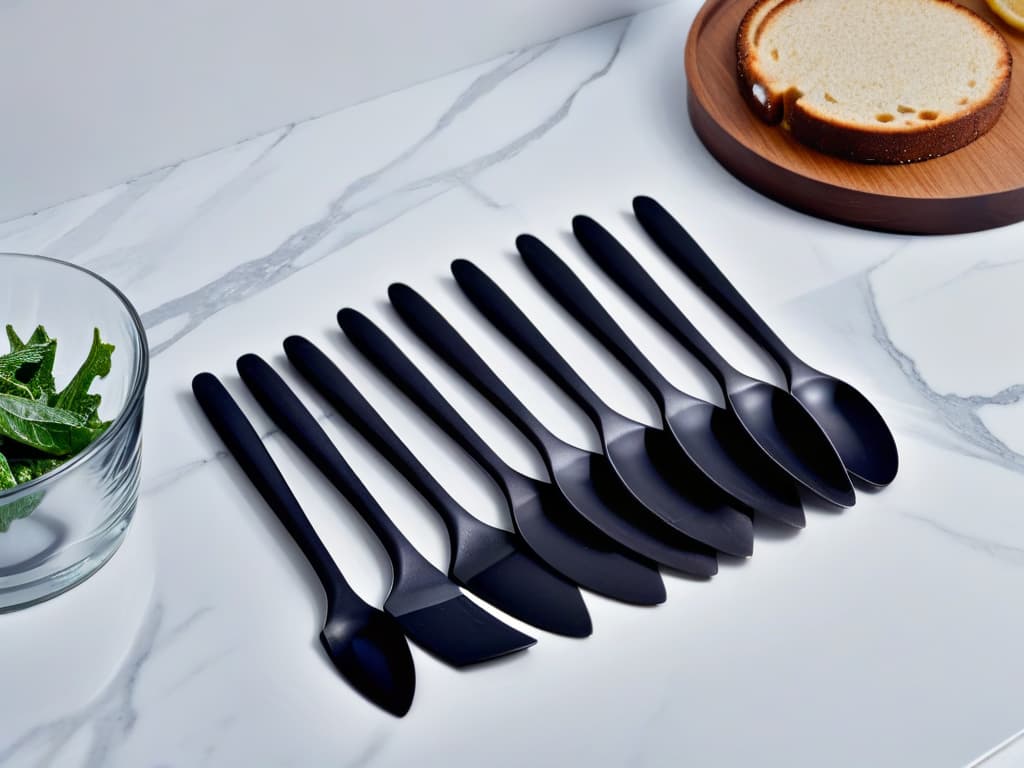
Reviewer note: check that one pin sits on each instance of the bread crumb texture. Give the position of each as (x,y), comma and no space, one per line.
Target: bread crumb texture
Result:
(857,64)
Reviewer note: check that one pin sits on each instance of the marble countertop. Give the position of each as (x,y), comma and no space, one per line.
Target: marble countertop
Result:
(885,635)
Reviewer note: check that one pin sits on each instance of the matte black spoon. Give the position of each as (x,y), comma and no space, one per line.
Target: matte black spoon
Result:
(491,563)
(772,416)
(641,456)
(366,646)
(709,436)
(433,612)
(584,479)
(856,428)
(548,525)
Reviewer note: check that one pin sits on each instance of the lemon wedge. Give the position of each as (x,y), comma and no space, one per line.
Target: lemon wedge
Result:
(1010,11)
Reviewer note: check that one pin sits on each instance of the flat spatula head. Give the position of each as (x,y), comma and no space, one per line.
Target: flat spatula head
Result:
(516,582)
(370,651)
(460,633)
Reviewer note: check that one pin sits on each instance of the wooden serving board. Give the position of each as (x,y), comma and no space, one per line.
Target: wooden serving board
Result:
(978,187)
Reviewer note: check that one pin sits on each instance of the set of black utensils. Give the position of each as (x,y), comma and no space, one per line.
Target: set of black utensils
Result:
(674,495)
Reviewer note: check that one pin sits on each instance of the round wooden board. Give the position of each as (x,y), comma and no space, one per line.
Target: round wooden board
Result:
(978,187)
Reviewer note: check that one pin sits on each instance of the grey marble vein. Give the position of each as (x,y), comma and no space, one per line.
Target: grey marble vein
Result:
(92,229)
(110,717)
(996,549)
(256,276)
(372,750)
(133,262)
(959,413)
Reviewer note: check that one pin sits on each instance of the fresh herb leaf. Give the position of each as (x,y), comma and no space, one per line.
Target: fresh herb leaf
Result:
(11,386)
(6,475)
(54,431)
(75,396)
(13,362)
(16,510)
(13,340)
(40,429)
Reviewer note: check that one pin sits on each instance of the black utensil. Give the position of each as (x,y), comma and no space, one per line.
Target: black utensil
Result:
(432,611)
(772,416)
(366,646)
(583,479)
(641,456)
(857,430)
(491,563)
(548,525)
(709,436)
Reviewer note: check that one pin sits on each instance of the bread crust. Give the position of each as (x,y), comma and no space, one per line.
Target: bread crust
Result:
(883,143)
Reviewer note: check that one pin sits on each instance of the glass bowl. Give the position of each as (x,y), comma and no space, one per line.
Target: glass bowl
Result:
(70,521)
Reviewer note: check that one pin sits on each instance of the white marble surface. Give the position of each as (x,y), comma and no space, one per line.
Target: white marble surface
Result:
(886,635)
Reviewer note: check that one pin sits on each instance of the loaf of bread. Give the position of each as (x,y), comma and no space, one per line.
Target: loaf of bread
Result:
(876,81)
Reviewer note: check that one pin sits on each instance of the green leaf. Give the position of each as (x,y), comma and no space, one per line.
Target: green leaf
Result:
(54,431)
(6,475)
(13,340)
(10,386)
(16,510)
(75,396)
(13,362)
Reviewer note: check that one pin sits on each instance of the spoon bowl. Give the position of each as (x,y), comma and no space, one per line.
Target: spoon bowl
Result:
(773,417)
(715,441)
(649,459)
(699,512)
(589,483)
(553,528)
(787,433)
(705,436)
(369,649)
(856,428)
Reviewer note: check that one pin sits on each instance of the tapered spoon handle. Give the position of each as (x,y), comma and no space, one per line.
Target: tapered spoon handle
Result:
(385,355)
(494,304)
(684,251)
(427,323)
(323,374)
(288,412)
(569,291)
(620,265)
(245,445)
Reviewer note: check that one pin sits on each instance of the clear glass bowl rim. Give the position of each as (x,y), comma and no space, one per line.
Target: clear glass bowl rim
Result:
(135,395)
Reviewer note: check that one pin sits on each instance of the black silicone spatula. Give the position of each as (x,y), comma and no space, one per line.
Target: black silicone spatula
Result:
(583,478)
(708,436)
(432,611)
(642,457)
(366,646)
(548,525)
(856,428)
(771,416)
(491,563)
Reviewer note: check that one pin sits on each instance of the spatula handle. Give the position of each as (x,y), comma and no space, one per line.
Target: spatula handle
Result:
(323,374)
(385,355)
(245,445)
(569,291)
(684,251)
(494,304)
(620,265)
(438,334)
(288,412)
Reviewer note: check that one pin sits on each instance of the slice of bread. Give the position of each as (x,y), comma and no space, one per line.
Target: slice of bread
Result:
(876,81)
